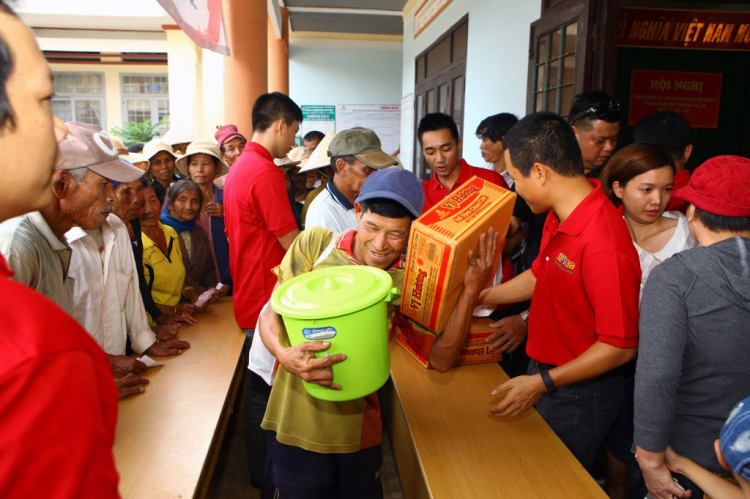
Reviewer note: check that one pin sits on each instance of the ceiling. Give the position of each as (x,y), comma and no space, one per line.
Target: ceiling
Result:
(377,17)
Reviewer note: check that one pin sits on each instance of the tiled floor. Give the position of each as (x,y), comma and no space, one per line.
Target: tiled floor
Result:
(231,478)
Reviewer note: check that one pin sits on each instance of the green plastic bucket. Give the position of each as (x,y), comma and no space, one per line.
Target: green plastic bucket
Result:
(345,305)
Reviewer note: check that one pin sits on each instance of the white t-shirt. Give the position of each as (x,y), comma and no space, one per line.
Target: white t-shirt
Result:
(330,209)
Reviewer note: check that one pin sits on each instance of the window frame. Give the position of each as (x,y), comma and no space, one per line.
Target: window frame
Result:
(152,98)
(72,97)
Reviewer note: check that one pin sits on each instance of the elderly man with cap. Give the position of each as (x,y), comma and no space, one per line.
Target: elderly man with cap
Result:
(337,447)
(106,298)
(355,154)
(161,158)
(692,360)
(231,143)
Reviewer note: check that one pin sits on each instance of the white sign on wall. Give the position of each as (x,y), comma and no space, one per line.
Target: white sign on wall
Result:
(384,120)
(407,131)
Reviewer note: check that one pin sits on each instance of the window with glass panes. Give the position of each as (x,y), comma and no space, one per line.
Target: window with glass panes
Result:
(555,69)
(146,97)
(79,97)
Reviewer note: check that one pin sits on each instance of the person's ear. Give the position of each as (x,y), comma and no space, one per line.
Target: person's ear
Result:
(720,456)
(575,130)
(617,189)
(61,186)
(341,167)
(687,153)
(539,173)
(690,213)
(279,126)
(460,145)
(357,211)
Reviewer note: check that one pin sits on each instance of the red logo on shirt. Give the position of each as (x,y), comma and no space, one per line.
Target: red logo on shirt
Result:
(565,264)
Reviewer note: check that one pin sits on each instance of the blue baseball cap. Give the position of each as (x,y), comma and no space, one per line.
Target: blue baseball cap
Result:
(396,184)
(734,439)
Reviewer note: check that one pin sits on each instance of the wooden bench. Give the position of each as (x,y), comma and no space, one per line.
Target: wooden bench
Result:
(446,444)
(169,437)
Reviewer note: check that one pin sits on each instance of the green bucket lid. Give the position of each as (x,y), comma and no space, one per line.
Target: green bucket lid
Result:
(331,292)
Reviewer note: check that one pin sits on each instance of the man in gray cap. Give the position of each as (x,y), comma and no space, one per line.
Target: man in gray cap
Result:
(355,154)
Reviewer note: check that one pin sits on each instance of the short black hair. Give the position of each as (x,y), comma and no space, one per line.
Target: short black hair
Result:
(315,134)
(437,121)
(387,208)
(496,126)
(7,118)
(594,105)
(544,138)
(274,106)
(665,128)
(720,223)
(136,148)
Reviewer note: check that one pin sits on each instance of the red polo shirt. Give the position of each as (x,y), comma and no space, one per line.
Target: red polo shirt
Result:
(434,192)
(58,401)
(587,281)
(681,178)
(256,213)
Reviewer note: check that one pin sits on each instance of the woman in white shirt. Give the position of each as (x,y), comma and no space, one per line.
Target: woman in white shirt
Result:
(639,178)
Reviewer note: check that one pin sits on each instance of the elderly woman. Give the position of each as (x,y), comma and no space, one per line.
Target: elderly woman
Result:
(184,201)
(162,261)
(202,163)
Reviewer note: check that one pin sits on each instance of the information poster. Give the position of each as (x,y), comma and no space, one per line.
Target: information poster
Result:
(696,96)
(320,118)
(384,120)
(407,132)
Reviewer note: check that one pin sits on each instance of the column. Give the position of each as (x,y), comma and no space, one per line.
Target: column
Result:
(246,69)
(278,56)
(185,81)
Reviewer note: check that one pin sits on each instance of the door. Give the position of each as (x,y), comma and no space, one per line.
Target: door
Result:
(573,48)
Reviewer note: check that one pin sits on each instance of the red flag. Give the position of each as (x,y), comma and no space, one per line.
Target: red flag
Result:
(201,20)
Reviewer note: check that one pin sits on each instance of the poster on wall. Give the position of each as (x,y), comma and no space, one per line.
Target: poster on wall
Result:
(407,132)
(696,96)
(384,120)
(320,118)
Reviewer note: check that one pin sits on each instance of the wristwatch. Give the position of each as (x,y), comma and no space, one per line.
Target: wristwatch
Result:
(525,317)
(548,383)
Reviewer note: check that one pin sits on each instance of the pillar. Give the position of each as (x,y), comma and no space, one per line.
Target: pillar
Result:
(278,56)
(246,68)
(185,81)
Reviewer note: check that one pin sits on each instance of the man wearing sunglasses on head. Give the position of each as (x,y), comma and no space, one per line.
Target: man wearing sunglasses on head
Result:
(595,117)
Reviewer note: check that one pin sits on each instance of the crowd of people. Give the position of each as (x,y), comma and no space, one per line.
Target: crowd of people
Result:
(621,303)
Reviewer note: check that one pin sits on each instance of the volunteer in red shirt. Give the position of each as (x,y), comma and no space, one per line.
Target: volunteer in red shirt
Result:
(583,323)
(58,402)
(260,227)
(671,131)
(438,135)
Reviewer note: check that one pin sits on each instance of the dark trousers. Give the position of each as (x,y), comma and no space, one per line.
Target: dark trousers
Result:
(256,400)
(294,473)
(583,413)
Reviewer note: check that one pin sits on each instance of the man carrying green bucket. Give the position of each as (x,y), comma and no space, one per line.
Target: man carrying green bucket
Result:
(322,449)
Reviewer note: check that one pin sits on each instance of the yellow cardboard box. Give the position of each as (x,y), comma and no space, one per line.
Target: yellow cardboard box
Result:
(439,246)
(475,349)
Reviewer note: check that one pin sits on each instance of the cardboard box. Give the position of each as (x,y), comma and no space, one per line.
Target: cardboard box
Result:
(475,349)
(439,246)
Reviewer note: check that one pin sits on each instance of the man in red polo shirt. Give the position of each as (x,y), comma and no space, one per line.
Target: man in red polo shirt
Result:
(58,402)
(260,227)
(583,323)
(438,135)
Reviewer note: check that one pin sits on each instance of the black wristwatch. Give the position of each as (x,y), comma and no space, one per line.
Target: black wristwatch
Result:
(548,383)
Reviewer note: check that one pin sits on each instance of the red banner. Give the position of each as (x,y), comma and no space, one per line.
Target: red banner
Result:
(684,29)
(696,96)
(201,20)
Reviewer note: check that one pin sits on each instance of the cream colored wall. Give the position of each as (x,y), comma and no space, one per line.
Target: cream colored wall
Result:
(112,85)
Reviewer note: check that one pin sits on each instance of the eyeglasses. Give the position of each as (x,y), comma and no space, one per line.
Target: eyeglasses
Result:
(600,107)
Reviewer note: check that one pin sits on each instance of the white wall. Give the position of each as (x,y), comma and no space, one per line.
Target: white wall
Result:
(497,59)
(330,76)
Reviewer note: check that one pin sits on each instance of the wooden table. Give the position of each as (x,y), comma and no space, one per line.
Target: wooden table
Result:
(446,444)
(167,437)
